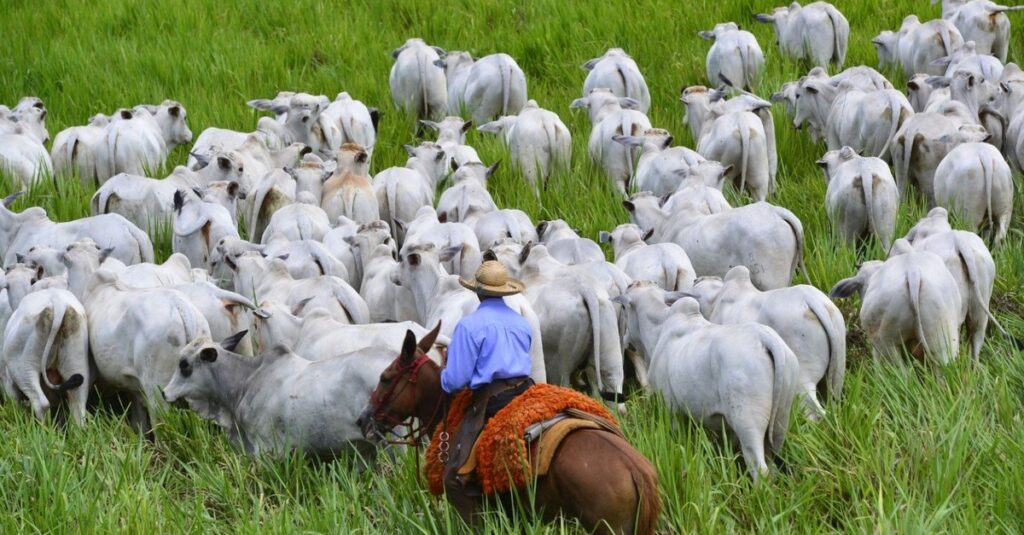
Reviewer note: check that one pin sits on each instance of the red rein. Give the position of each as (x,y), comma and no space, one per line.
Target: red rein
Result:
(379,400)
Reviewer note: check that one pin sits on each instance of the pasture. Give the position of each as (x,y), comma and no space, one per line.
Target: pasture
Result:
(917,450)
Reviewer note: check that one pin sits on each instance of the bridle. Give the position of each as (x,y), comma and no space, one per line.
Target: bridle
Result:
(379,400)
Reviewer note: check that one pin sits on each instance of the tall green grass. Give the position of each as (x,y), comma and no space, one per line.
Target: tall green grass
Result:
(918,450)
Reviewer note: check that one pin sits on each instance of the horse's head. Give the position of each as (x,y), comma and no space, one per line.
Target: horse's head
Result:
(410,387)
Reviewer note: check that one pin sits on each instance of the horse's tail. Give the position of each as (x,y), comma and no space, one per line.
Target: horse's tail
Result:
(645,481)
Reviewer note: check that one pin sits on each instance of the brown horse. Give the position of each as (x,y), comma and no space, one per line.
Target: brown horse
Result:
(595,476)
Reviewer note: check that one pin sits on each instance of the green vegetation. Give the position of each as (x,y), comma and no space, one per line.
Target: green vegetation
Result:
(921,450)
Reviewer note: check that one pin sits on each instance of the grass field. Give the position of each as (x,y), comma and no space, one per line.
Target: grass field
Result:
(916,451)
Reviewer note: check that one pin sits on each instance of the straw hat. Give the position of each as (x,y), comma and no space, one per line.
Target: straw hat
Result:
(492,280)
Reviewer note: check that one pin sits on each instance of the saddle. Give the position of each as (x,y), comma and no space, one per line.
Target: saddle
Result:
(519,442)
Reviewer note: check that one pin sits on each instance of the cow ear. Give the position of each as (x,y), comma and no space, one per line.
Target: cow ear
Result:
(647,235)
(208,354)
(706,35)
(442,217)
(409,149)
(541,227)
(525,253)
(430,124)
(583,102)
(223,163)
(492,168)
(604,237)
(440,156)
(629,206)
(441,63)
(590,64)
(39,272)
(231,342)
(467,126)
(374,117)
(621,300)
(812,90)
(489,256)
(764,17)
(413,259)
(174,111)
(9,200)
(19,258)
(408,347)
(448,253)
(179,200)
(362,156)
(105,254)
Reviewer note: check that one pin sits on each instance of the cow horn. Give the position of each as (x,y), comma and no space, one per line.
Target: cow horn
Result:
(428,340)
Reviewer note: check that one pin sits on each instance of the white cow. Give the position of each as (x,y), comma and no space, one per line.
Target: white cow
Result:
(735,55)
(451,135)
(909,301)
(198,226)
(971,264)
(30,114)
(23,156)
(767,239)
(19,232)
(538,141)
(861,76)
(303,220)
(565,244)
(135,336)
(80,149)
(501,224)
(983,22)
(610,116)
(299,114)
(802,315)
(139,140)
(975,182)
(428,228)
(347,120)
(925,139)
(489,87)
(967,58)
(269,132)
(923,95)
(401,191)
(46,343)
(305,258)
(661,168)
(818,32)
(616,71)
(866,121)
(417,80)
(386,300)
(862,198)
(665,264)
(740,376)
(916,46)
(467,198)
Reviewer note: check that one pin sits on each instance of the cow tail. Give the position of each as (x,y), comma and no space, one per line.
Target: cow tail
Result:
(798,235)
(56,312)
(593,306)
(896,112)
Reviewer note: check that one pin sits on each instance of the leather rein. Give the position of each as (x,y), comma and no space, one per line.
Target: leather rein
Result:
(378,401)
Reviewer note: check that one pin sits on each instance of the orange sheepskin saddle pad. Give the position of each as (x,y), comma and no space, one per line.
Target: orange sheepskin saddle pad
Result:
(502,459)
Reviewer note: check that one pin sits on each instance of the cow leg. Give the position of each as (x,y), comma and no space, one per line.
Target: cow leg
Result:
(751,437)
(27,382)
(640,367)
(812,407)
(139,416)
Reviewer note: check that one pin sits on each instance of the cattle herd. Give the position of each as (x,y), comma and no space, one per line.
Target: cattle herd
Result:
(336,265)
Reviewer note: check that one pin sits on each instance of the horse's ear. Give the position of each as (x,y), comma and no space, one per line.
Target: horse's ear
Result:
(408,347)
(428,340)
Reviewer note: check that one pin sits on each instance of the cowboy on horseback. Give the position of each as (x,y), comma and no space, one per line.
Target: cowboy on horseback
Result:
(490,354)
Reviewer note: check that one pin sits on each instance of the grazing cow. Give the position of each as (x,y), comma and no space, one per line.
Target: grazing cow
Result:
(802,315)
(975,182)
(817,31)
(917,45)
(20,232)
(768,239)
(439,298)
(138,140)
(665,264)
(909,301)
(661,167)
(610,116)
(862,198)
(401,191)
(135,336)
(269,279)
(565,244)
(489,87)
(350,194)
(983,22)
(735,55)
(741,376)
(970,263)
(279,402)
(925,139)
(303,220)
(451,135)
(347,120)
(861,77)
(417,80)
(198,226)
(538,140)
(866,121)
(80,149)
(299,114)
(46,343)
(616,71)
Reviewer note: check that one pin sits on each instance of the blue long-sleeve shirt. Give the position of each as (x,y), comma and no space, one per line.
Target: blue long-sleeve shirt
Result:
(491,343)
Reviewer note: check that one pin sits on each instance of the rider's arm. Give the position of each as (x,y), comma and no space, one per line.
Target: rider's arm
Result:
(462,353)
